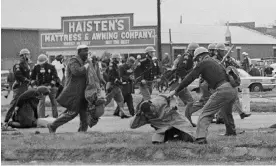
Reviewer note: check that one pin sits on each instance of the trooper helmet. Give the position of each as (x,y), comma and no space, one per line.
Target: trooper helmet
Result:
(149,49)
(192,46)
(24,51)
(199,51)
(220,46)
(212,46)
(42,58)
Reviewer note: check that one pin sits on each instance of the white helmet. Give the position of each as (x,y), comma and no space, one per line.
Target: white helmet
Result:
(42,58)
(199,51)
(24,51)
(150,49)
(117,56)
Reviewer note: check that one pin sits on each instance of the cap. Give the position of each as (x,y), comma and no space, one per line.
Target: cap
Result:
(82,47)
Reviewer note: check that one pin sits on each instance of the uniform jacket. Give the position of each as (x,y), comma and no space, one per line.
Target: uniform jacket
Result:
(21,72)
(112,73)
(44,75)
(166,117)
(72,97)
(146,69)
(127,84)
(209,69)
(27,103)
(156,68)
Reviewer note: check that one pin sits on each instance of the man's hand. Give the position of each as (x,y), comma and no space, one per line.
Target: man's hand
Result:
(172,93)
(143,82)
(86,65)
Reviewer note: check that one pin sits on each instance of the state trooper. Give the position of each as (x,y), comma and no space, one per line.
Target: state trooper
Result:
(223,97)
(184,65)
(45,74)
(212,49)
(21,72)
(113,84)
(127,76)
(145,76)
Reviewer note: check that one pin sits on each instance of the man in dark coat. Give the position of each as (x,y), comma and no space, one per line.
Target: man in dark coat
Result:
(24,111)
(127,77)
(72,97)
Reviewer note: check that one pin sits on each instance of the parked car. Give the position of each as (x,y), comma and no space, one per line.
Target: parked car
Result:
(257,83)
(274,67)
(4,80)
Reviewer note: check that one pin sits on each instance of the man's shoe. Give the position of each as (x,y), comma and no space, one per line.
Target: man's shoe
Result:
(6,96)
(51,130)
(194,125)
(244,115)
(124,116)
(200,141)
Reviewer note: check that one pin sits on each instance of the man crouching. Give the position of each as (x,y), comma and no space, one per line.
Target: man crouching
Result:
(24,111)
(161,113)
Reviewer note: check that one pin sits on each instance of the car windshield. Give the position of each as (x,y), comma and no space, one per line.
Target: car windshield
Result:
(243,73)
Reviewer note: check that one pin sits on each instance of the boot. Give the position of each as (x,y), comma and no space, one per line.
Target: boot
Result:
(244,115)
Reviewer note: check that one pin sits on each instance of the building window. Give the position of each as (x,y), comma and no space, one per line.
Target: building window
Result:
(177,51)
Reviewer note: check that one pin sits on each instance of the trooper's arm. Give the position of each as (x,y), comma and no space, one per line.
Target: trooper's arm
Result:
(18,74)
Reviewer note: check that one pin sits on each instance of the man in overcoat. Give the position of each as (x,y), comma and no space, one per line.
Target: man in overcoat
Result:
(72,97)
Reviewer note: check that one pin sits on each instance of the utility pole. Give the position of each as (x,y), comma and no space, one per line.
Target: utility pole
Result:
(171,53)
(159,50)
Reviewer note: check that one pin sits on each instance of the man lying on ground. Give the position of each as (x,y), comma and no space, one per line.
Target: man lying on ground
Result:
(161,113)
(24,111)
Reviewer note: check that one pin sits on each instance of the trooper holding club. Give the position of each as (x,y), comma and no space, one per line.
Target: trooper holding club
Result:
(222,99)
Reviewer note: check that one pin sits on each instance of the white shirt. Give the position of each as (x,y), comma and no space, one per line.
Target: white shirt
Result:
(59,66)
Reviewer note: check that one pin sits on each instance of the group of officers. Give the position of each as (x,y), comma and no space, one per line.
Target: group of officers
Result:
(119,80)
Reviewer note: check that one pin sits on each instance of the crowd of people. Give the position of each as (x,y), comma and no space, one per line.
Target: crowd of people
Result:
(85,89)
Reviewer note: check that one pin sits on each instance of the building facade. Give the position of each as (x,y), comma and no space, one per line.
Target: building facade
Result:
(116,33)
(101,33)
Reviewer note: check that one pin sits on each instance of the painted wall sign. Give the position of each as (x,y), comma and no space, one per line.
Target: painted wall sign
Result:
(99,31)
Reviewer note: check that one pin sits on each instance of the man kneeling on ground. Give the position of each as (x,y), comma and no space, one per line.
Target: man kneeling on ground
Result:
(24,111)
(161,113)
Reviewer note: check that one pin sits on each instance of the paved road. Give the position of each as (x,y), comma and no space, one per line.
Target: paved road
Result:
(113,124)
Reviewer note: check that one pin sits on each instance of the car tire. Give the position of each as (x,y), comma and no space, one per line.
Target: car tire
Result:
(256,88)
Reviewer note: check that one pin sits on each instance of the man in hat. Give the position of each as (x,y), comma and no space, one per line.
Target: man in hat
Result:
(21,72)
(24,111)
(161,113)
(73,95)
(45,74)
